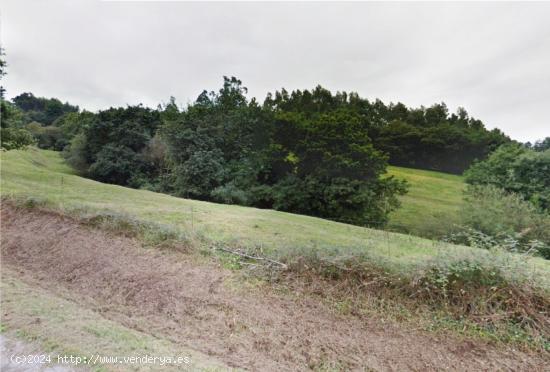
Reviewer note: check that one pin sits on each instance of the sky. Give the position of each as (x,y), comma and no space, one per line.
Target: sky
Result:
(491,58)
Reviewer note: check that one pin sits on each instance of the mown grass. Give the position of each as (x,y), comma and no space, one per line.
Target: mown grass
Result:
(431,206)
(494,290)
(43,174)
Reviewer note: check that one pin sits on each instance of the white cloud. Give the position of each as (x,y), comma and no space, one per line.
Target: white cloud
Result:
(491,58)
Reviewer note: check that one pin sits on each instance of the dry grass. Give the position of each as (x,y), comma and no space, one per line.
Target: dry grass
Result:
(63,327)
(488,295)
(168,295)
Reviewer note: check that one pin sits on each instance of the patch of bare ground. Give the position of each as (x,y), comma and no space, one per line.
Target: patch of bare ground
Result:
(10,347)
(171,296)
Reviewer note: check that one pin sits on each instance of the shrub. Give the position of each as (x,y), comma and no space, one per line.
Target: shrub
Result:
(15,138)
(117,164)
(47,137)
(516,169)
(493,217)
(229,194)
(74,153)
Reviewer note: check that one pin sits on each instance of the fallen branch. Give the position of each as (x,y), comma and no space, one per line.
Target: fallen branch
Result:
(244,255)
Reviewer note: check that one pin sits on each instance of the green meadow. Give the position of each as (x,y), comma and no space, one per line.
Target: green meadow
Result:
(432,203)
(42,174)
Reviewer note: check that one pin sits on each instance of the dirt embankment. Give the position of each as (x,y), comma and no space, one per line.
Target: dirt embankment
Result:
(169,295)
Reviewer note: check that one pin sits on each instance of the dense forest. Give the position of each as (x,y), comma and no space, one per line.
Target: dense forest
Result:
(311,152)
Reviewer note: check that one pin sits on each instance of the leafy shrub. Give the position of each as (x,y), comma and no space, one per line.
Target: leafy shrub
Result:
(451,276)
(229,194)
(43,110)
(15,138)
(517,169)
(75,154)
(47,137)
(493,217)
(117,164)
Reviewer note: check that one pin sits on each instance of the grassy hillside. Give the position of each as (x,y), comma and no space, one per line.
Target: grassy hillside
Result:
(431,203)
(376,271)
(43,174)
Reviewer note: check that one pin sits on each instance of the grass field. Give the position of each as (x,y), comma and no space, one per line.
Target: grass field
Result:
(399,275)
(431,204)
(43,174)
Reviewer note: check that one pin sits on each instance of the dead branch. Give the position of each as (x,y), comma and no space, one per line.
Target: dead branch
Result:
(244,255)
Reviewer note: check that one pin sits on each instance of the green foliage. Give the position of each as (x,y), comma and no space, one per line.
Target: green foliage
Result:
(73,123)
(42,110)
(425,138)
(115,164)
(11,116)
(211,146)
(75,153)
(494,217)
(199,174)
(15,138)
(516,169)
(227,149)
(34,115)
(310,152)
(230,194)
(455,275)
(13,135)
(113,142)
(49,137)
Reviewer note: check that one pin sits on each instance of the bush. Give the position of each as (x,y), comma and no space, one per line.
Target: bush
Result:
(15,138)
(229,194)
(47,137)
(75,154)
(117,164)
(494,217)
(516,169)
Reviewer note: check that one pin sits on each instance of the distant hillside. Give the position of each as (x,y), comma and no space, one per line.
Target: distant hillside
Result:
(44,175)
(431,203)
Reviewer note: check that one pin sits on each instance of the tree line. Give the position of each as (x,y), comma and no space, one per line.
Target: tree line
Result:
(308,151)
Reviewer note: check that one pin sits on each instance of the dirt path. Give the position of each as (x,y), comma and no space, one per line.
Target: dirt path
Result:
(169,295)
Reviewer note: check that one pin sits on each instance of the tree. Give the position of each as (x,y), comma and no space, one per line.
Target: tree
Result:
(116,164)
(109,145)
(12,134)
(210,143)
(3,66)
(49,137)
(15,138)
(542,145)
(42,110)
(333,169)
(517,169)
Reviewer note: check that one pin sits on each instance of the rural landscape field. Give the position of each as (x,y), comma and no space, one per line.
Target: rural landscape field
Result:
(109,248)
(372,196)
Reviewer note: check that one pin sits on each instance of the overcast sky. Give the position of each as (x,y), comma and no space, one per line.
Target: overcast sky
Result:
(491,58)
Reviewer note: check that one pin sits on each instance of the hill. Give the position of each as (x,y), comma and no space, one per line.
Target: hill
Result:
(43,174)
(201,277)
(431,203)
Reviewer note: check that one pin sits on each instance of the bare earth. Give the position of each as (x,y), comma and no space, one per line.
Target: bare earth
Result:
(192,304)
(9,347)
